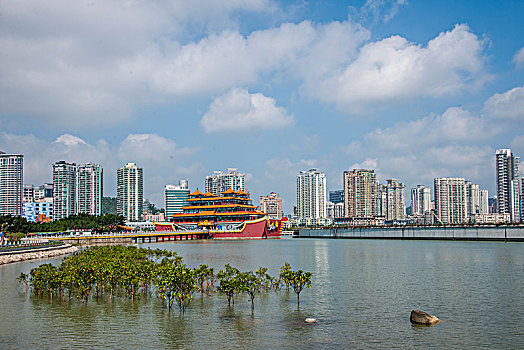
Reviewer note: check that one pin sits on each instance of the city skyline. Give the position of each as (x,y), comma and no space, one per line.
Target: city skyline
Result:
(414,90)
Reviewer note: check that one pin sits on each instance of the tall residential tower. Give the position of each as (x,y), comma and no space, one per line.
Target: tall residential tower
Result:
(11,183)
(361,194)
(64,190)
(508,187)
(130,192)
(222,181)
(450,200)
(311,194)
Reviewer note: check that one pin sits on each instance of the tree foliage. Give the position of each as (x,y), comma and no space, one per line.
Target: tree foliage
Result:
(12,224)
(128,271)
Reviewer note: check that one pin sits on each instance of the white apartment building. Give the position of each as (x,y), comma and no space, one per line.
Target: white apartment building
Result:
(420,200)
(11,183)
(64,190)
(130,192)
(395,203)
(89,189)
(508,187)
(311,195)
(222,181)
(450,200)
(77,189)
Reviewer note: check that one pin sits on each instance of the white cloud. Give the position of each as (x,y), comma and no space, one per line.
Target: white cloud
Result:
(78,63)
(518,59)
(394,68)
(454,125)
(506,106)
(240,110)
(83,64)
(376,11)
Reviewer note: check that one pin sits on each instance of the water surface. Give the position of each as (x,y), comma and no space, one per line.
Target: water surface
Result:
(363,292)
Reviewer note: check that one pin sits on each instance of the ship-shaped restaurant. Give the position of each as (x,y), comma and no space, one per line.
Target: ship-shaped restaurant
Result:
(228,215)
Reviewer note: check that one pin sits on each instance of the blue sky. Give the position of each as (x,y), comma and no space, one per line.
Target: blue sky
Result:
(412,89)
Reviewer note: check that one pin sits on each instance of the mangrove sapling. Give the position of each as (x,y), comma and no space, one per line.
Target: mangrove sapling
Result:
(251,285)
(229,283)
(284,274)
(298,280)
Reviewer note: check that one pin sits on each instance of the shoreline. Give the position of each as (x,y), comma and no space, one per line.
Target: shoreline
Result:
(40,253)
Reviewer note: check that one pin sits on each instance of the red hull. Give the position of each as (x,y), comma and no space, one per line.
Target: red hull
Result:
(261,228)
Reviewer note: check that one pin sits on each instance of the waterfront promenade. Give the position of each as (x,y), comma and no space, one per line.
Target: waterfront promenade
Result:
(510,233)
(29,253)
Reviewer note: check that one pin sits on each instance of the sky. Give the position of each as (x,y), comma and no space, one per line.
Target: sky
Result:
(412,89)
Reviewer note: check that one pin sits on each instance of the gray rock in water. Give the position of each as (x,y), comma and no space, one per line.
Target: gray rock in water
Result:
(420,317)
(310,320)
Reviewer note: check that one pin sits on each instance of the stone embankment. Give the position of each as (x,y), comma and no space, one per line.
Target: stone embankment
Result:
(39,253)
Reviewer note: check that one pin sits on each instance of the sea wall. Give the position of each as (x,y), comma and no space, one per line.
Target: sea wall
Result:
(37,253)
(475,233)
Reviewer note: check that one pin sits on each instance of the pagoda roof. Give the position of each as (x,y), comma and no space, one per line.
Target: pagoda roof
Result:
(196,193)
(209,194)
(228,191)
(218,206)
(240,192)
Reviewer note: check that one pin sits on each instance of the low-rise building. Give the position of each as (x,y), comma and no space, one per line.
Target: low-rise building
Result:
(494,218)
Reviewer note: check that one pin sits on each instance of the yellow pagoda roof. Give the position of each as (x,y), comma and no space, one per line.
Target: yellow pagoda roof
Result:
(228,191)
(219,206)
(196,193)
(209,194)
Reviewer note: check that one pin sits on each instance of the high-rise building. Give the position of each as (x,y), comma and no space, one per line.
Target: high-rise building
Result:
(361,193)
(77,189)
(64,190)
(476,199)
(336,196)
(272,205)
(522,201)
(450,200)
(395,203)
(176,197)
(89,189)
(484,202)
(311,194)
(508,187)
(420,200)
(130,192)
(11,183)
(222,181)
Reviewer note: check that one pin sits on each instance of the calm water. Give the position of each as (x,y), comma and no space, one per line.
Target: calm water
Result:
(363,292)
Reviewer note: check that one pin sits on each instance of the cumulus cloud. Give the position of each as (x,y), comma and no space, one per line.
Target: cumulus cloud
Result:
(78,64)
(507,106)
(240,110)
(83,64)
(518,59)
(394,68)
(163,161)
(454,125)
